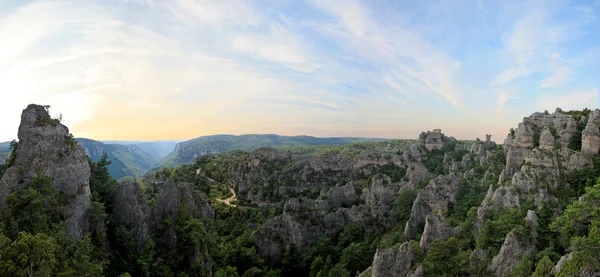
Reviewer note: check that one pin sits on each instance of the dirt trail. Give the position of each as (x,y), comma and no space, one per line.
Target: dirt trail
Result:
(230,199)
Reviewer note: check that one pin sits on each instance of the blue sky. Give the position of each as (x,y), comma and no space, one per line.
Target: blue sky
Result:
(179,69)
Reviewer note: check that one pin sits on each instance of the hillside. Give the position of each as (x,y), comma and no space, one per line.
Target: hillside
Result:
(431,206)
(158,149)
(126,160)
(188,151)
(4,151)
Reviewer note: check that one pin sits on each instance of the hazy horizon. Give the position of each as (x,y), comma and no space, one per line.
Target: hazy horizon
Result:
(176,70)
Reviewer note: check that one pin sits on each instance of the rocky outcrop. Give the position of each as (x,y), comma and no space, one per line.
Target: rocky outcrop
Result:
(435,197)
(434,140)
(590,140)
(390,262)
(510,254)
(379,199)
(436,227)
(47,148)
(131,210)
(416,173)
(533,172)
(343,196)
(304,221)
(561,263)
(172,195)
(479,148)
(174,201)
(514,247)
(546,139)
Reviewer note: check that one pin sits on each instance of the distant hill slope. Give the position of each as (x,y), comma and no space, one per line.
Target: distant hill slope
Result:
(159,149)
(126,160)
(187,151)
(4,151)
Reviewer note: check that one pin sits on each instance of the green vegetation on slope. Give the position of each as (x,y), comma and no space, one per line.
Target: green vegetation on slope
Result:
(187,151)
(4,151)
(126,160)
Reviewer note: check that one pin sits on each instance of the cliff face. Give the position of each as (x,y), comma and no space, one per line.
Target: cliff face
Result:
(304,221)
(46,148)
(131,209)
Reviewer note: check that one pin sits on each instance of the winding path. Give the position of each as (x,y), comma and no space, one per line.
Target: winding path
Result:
(228,201)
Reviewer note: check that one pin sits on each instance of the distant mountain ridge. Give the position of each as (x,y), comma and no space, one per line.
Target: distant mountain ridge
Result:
(4,151)
(188,151)
(126,160)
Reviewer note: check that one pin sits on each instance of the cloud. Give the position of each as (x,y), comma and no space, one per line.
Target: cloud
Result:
(397,100)
(502,99)
(536,36)
(560,72)
(391,47)
(184,68)
(569,100)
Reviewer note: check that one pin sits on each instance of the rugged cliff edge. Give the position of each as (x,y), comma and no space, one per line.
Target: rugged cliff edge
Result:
(46,148)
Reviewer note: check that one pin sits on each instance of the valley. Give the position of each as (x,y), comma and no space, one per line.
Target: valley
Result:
(430,206)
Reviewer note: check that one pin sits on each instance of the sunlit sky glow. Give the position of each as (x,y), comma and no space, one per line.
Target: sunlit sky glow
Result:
(179,69)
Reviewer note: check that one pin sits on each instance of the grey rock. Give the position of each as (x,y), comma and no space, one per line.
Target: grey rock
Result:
(590,141)
(561,262)
(46,148)
(342,196)
(480,147)
(435,197)
(367,273)
(172,195)
(419,272)
(546,139)
(131,209)
(416,173)
(509,256)
(393,262)
(433,140)
(304,221)
(436,227)
(514,247)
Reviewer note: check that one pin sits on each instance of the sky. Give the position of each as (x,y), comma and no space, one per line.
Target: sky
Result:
(179,69)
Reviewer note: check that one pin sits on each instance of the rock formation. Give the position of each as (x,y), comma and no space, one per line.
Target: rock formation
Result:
(47,148)
(131,209)
(390,262)
(435,197)
(533,172)
(514,247)
(304,221)
(590,141)
(434,140)
(436,227)
(546,139)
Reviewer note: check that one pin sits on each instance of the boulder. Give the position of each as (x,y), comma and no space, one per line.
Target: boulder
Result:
(47,148)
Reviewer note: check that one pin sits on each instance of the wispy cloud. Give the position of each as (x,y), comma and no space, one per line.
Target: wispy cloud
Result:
(502,99)
(184,68)
(397,100)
